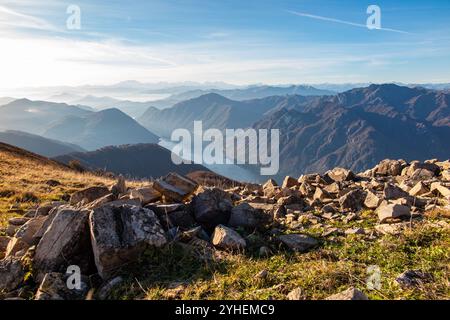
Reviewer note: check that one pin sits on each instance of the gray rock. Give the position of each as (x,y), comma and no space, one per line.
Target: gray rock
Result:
(24,237)
(389,167)
(54,287)
(392,211)
(393,192)
(180,182)
(349,294)
(88,195)
(145,195)
(169,191)
(289,182)
(340,175)
(413,278)
(353,200)
(419,189)
(212,207)
(65,242)
(372,201)
(11,273)
(295,294)
(226,238)
(121,234)
(105,290)
(120,187)
(246,216)
(298,242)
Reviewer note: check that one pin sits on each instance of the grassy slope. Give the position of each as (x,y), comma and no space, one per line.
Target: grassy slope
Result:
(24,177)
(340,262)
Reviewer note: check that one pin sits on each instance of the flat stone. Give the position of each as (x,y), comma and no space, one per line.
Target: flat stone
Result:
(88,195)
(180,182)
(145,195)
(298,242)
(169,191)
(392,211)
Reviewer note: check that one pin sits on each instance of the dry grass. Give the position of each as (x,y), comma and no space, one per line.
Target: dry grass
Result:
(27,180)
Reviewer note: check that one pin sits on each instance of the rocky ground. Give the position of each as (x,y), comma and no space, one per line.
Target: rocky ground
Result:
(380,234)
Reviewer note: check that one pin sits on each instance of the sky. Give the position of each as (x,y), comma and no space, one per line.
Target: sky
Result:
(239,42)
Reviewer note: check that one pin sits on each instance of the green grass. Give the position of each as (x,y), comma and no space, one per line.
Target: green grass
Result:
(339,262)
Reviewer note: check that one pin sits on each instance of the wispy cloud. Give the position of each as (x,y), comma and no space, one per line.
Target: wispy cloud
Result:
(15,19)
(349,23)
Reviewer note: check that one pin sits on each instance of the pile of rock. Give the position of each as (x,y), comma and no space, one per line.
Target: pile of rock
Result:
(101,230)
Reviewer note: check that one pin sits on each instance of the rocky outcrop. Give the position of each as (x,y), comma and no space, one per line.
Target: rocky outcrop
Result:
(120,234)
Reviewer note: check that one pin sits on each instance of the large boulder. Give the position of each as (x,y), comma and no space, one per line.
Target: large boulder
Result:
(409,171)
(440,189)
(419,189)
(392,211)
(88,195)
(298,242)
(340,175)
(145,195)
(12,272)
(353,200)
(174,215)
(244,215)
(289,182)
(180,182)
(121,234)
(65,242)
(391,192)
(54,287)
(372,201)
(212,207)
(25,236)
(169,192)
(228,239)
(389,167)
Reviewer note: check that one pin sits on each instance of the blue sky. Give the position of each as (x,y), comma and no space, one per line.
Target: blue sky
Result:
(301,41)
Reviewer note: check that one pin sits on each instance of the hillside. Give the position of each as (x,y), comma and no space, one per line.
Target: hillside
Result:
(100,129)
(381,234)
(136,161)
(37,144)
(215,111)
(360,127)
(35,116)
(27,179)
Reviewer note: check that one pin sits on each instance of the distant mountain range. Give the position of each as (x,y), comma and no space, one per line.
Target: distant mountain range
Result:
(37,144)
(360,127)
(35,116)
(99,129)
(354,129)
(137,161)
(73,124)
(215,111)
